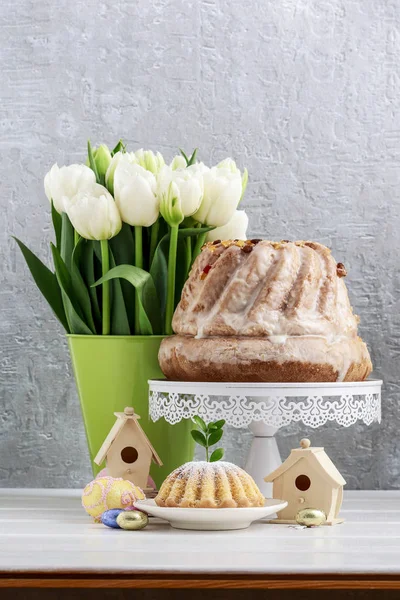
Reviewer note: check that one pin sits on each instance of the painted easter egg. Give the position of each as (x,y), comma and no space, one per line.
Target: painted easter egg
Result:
(109,517)
(132,520)
(105,493)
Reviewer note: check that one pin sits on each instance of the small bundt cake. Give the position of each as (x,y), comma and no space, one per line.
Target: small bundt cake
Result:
(209,485)
(265,311)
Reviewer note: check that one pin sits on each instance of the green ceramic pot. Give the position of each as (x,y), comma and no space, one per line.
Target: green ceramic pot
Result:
(111,372)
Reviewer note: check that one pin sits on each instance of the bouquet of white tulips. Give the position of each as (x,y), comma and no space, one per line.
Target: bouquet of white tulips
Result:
(127,230)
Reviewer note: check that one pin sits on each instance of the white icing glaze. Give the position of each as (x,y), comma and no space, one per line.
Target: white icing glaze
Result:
(276,290)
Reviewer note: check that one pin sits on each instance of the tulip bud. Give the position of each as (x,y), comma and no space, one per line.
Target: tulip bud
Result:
(234,229)
(222,193)
(170,206)
(178,162)
(134,192)
(149,161)
(229,163)
(94,214)
(102,158)
(62,183)
(180,193)
(109,179)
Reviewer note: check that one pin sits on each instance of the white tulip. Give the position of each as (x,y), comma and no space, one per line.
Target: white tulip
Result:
(184,186)
(127,157)
(150,161)
(222,193)
(135,193)
(229,163)
(234,229)
(178,162)
(62,183)
(94,214)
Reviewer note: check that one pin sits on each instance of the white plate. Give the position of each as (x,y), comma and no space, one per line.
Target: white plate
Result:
(211,519)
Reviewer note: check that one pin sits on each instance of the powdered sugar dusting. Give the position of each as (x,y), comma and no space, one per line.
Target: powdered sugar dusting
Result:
(209,485)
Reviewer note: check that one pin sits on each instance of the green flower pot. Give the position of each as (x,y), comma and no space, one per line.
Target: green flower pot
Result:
(111,372)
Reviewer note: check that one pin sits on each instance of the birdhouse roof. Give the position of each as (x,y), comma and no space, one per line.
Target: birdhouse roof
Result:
(122,419)
(318,456)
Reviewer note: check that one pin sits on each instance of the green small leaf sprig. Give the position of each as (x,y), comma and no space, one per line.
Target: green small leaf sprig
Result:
(209,435)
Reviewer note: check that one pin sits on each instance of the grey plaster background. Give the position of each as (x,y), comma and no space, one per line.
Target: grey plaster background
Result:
(303,92)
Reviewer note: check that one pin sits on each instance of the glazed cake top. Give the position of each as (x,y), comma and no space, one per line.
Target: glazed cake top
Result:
(263,288)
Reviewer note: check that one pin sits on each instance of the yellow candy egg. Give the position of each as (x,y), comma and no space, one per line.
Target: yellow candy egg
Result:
(132,520)
(105,493)
(311,517)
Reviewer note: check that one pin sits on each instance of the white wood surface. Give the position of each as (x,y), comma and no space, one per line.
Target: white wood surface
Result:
(48,530)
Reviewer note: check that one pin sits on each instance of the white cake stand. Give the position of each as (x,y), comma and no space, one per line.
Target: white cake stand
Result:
(265,408)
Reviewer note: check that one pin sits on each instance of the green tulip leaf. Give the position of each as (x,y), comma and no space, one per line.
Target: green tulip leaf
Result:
(199,437)
(46,282)
(184,156)
(192,159)
(57,224)
(123,249)
(217,455)
(79,288)
(119,317)
(72,309)
(67,240)
(149,309)
(87,269)
(159,274)
(159,266)
(120,147)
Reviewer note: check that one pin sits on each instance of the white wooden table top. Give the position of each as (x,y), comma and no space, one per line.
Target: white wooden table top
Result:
(48,530)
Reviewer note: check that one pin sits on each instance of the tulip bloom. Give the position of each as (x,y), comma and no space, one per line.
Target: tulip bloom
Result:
(222,193)
(178,162)
(229,163)
(102,158)
(149,161)
(135,193)
(180,192)
(234,229)
(62,183)
(93,213)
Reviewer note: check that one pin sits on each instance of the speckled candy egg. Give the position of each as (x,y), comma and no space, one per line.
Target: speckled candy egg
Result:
(105,493)
(109,517)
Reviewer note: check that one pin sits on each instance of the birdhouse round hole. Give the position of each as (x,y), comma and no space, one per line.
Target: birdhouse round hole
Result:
(129,454)
(302,482)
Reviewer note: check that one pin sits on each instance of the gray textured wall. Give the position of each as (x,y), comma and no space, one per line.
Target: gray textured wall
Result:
(305,93)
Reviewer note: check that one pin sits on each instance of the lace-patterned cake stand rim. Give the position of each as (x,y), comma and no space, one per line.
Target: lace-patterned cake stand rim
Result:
(266,407)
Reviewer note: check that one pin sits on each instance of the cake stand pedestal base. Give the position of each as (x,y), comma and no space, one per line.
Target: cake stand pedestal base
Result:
(263,456)
(265,408)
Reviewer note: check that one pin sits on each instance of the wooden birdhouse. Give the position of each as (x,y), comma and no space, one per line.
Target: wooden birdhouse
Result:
(127,450)
(308,479)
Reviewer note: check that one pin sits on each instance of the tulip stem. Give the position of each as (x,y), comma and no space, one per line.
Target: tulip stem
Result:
(153,240)
(173,246)
(105,267)
(76,237)
(138,263)
(201,238)
(188,243)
